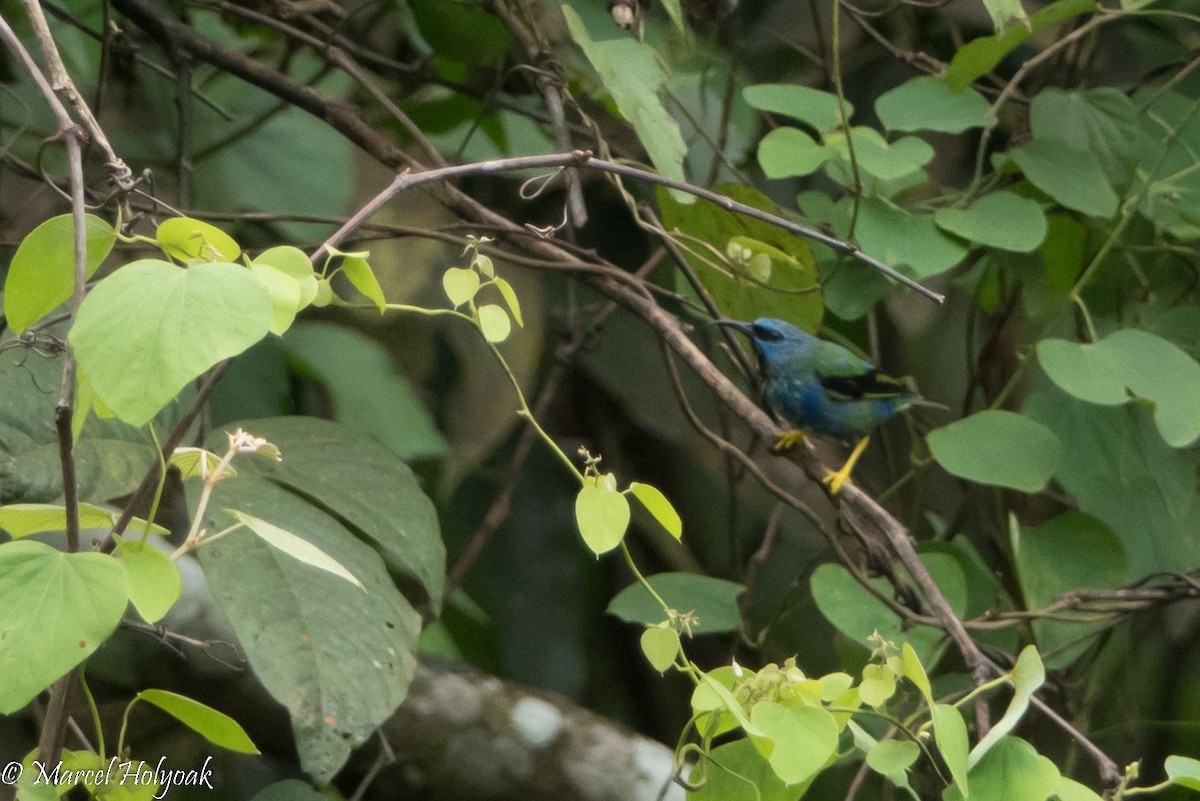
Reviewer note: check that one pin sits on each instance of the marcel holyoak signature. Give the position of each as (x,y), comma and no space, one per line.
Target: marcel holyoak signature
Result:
(135,773)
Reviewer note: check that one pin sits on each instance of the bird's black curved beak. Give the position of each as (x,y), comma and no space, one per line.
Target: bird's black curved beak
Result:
(738,325)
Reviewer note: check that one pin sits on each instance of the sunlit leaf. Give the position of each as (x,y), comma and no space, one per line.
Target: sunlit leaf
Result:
(41,274)
(659,507)
(216,727)
(660,644)
(460,285)
(602,516)
(296,547)
(185,239)
(494,322)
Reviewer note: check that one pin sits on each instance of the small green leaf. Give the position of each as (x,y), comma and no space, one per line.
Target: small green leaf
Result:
(878,685)
(657,504)
(788,152)
(1000,448)
(154,581)
(510,298)
(602,516)
(285,294)
(150,328)
(483,263)
(362,277)
(998,220)
(978,57)
(324,294)
(197,462)
(23,519)
(950,731)
(712,601)
(41,274)
(296,547)
(892,756)
(216,727)
(1131,361)
(1184,771)
(292,261)
(1006,13)
(1071,176)
(796,741)
(914,671)
(494,322)
(633,73)
(887,161)
(927,103)
(55,610)
(185,240)
(460,284)
(660,644)
(1071,790)
(1027,675)
(818,109)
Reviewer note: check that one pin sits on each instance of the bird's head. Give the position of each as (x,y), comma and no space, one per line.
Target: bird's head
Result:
(777,342)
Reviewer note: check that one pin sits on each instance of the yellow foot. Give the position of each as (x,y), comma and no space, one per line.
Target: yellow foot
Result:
(837,480)
(788,440)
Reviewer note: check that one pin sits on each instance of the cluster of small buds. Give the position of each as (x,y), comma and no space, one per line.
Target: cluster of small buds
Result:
(771,681)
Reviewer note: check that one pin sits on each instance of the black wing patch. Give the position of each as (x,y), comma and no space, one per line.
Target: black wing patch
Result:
(871,384)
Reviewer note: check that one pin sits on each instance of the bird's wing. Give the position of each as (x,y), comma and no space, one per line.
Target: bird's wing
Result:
(847,377)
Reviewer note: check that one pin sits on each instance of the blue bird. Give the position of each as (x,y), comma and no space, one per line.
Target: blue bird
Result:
(821,387)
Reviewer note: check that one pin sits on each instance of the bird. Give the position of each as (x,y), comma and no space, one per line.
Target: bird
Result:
(822,388)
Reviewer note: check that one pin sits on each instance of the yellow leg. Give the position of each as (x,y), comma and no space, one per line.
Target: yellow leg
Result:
(788,440)
(836,480)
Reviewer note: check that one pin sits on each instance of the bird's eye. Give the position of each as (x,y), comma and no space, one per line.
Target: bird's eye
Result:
(766,334)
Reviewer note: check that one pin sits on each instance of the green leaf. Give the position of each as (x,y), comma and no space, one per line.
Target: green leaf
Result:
(1104,121)
(950,731)
(1068,174)
(294,262)
(1005,13)
(659,507)
(494,322)
(460,285)
(602,516)
(713,601)
(369,395)
(41,274)
(660,644)
(796,741)
(914,671)
(1027,675)
(633,74)
(510,298)
(1068,552)
(1119,470)
(23,519)
(362,277)
(900,239)
(154,581)
(737,772)
(1071,790)
(999,448)
(185,240)
(150,328)
(296,547)
(55,610)
(818,109)
(787,152)
(979,57)
(793,292)
(892,756)
(1011,770)
(858,614)
(216,727)
(1184,771)
(285,293)
(1000,220)
(875,156)
(339,659)
(359,482)
(927,103)
(1130,359)
(878,684)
